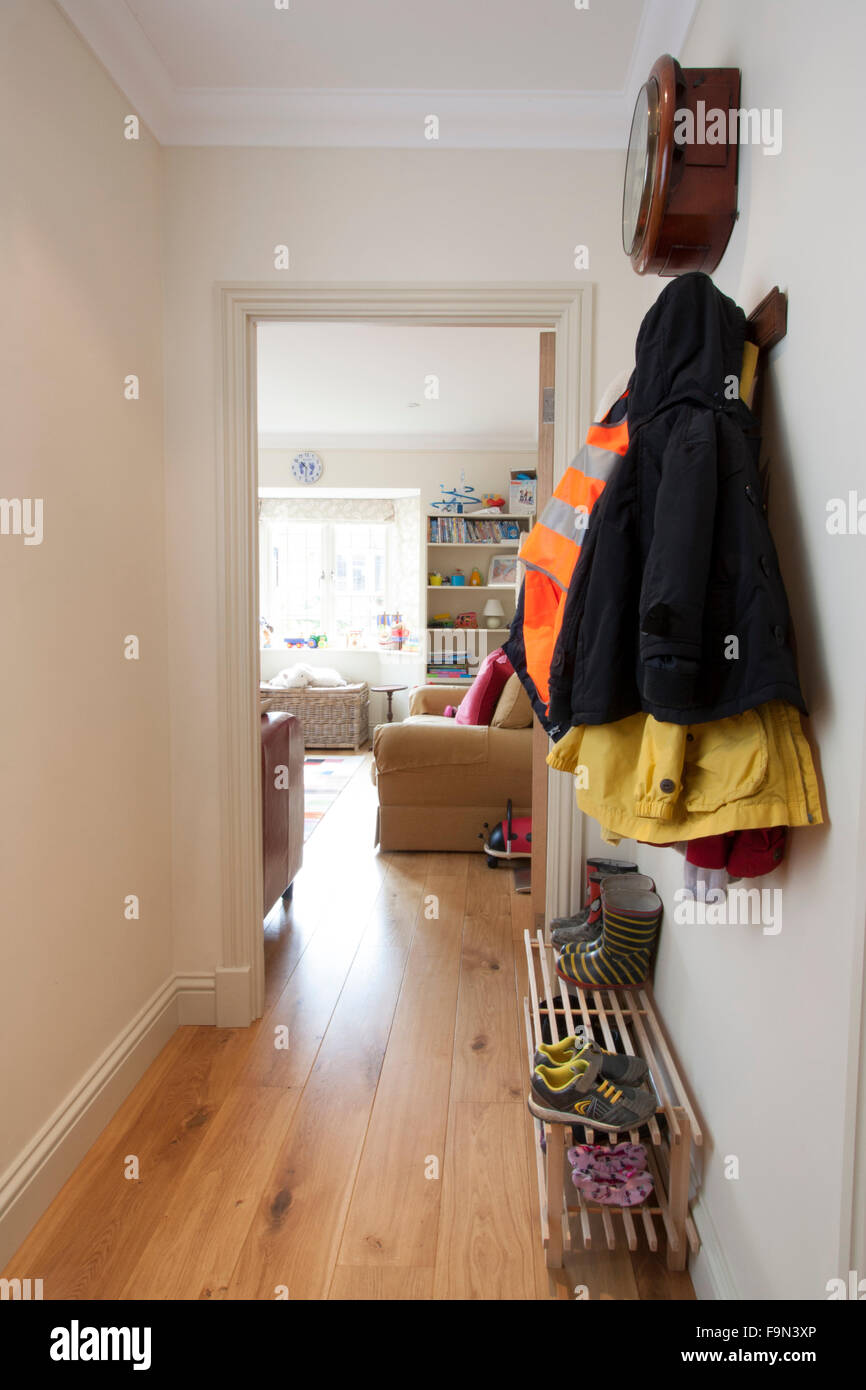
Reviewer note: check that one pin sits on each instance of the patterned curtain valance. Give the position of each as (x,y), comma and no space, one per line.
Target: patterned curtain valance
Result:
(326,509)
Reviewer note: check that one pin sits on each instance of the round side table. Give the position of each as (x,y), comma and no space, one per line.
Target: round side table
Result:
(390,691)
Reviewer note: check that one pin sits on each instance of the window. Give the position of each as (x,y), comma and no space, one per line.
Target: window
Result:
(324,577)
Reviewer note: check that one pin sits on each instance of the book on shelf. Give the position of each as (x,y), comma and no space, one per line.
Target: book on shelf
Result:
(461,530)
(449,670)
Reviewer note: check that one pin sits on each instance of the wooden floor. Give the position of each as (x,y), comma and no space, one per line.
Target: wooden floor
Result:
(385,1153)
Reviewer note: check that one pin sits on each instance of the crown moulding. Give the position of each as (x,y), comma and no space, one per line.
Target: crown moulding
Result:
(368,118)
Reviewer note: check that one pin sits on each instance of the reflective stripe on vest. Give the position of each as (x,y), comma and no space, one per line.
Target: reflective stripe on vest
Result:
(552,547)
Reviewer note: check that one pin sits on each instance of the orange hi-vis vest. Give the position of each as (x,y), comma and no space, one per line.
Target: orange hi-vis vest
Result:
(552,547)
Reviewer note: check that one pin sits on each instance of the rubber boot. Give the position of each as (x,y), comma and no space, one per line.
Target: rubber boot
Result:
(586,927)
(622,958)
(603,867)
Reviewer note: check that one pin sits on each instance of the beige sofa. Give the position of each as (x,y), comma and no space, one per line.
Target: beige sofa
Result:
(438,781)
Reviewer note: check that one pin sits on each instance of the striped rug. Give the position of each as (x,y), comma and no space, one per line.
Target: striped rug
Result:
(324,779)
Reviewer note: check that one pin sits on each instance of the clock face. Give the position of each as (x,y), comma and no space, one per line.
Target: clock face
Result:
(640,166)
(307,467)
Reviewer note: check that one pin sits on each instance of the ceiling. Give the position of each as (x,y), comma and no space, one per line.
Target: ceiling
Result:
(497,73)
(483,45)
(348,385)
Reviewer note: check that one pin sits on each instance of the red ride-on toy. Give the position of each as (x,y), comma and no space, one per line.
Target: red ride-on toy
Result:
(510,839)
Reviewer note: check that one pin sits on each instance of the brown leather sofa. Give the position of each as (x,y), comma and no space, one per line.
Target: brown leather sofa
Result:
(438,782)
(282,805)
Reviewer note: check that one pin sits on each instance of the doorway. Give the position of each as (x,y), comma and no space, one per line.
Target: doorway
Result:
(566,311)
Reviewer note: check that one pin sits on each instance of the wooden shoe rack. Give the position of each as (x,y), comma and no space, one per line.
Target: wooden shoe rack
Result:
(568,1219)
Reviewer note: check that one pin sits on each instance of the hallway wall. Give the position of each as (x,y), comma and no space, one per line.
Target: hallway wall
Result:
(83,732)
(767,1025)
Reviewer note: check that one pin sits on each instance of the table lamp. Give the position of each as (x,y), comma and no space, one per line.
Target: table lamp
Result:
(494,612)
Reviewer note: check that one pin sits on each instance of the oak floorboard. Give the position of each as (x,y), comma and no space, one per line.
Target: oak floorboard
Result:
(304,1009)
(488,1065)
(393,1216)
(439,927)
(295,1233)
(600,1275)
(399,900)
(385,1283)
(195,1245)
(488,891)
(485,1244)
(655,1282)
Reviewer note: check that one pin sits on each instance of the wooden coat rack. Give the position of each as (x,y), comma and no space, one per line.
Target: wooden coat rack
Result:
(768,323)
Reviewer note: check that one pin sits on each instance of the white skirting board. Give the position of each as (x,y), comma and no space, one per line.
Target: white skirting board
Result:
(709,1269)
(35,1177)
(196,998)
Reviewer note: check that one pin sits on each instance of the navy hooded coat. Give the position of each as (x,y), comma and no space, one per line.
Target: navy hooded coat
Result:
(677,606)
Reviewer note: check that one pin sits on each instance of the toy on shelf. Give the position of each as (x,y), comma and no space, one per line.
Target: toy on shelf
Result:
(458,578)
(459,499)
(522,489)
(492,500)
(435,579)
(510,839)
(454,499)
(475,578)
(295,641)
(266,633)
(466,620)
(392,632)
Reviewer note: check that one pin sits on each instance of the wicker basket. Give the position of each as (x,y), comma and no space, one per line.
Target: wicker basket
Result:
(331,716)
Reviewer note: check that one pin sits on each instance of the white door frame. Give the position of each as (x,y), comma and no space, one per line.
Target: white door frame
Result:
(567,309)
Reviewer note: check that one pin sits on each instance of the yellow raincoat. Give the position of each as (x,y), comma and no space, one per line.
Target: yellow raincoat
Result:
(657,782)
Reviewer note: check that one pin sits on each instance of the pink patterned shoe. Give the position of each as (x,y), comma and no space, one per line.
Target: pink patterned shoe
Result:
(605,1161)
(613,1175)
(627,1193)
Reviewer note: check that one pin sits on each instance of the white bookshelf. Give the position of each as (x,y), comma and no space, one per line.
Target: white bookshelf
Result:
(445,556)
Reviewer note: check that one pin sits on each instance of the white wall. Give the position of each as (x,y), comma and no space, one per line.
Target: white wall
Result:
(763,1023)
(347,215)
(421,468)
(84,744)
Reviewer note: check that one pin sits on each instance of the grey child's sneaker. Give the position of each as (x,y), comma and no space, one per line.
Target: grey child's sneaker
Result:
(613,1066)
(577,1093)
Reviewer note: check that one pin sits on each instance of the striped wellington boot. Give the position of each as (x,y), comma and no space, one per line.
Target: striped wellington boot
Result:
(588,919)
(583,930)
(622,958)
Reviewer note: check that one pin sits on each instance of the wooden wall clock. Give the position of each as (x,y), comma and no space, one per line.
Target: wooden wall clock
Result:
(679,200)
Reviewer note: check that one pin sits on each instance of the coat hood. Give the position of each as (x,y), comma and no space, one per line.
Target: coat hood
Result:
(690,341)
